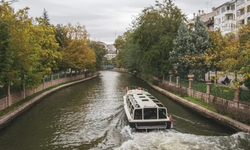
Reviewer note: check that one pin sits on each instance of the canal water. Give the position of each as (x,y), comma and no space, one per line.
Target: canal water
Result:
(90,115)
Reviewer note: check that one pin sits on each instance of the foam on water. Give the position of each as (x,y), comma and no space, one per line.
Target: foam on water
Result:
(171,139)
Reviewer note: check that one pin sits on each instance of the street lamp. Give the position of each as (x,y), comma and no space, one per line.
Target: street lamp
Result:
(208,66)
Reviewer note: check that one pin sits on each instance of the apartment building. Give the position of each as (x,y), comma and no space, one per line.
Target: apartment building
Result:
(230,14)
(208,20)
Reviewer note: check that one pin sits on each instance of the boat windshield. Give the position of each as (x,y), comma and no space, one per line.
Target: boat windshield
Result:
(138,114)
(162,113)
(150,113)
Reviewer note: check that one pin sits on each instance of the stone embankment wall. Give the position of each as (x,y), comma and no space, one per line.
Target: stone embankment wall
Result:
(206,97)
(13,98)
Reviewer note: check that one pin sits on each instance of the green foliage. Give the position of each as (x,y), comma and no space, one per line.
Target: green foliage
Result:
(99,53)
(183,45)
(31,48)
(146,47)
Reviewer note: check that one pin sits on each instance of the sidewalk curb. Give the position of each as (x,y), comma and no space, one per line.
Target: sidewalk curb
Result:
(7,118)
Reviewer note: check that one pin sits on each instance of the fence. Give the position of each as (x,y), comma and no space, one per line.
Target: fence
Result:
(17,93)
(208,92)
(245,96)
(222,91)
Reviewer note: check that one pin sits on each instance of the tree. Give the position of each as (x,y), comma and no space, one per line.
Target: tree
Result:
(31,50)
(9,1)
(201,44)
(152,39)
(99,53)
(183,45)
(6,58)
(76,52)
(46,17)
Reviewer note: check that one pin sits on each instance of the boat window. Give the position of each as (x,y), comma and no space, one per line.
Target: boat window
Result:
(156,101)
(139,94)
(151,97)
(138,114)
(144,99)
(132,109)
(160,105)
(148,94)
(162,113)
(150,113)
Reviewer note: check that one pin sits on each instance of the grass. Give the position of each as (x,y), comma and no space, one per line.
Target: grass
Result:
(14,106)
(201,103)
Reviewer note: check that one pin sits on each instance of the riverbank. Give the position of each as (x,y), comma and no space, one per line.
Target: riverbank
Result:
(199,109)
(8,117)
(203,111)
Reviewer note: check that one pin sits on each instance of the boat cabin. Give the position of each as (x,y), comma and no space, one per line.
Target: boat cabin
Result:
(144,106)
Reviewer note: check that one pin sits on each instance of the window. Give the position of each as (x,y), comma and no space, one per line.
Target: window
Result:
(150,113)
(243,21)
(138,114)
(233,7)
(218,12)
(156,101)
(219,21)
(160,105)
(223,10)
(162,113)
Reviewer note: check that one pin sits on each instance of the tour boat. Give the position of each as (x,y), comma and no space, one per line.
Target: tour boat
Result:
(144,111)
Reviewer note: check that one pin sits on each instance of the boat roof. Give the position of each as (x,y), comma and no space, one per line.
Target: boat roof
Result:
(143,99)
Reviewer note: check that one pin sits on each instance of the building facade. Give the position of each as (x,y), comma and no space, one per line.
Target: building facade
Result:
(230,14)
(208,20)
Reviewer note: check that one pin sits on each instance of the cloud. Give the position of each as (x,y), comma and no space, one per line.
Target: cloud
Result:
(102,18)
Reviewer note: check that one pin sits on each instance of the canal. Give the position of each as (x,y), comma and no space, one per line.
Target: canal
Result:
(90,115)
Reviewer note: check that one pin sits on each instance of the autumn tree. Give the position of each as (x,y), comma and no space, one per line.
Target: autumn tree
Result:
(32,46)
(76,52)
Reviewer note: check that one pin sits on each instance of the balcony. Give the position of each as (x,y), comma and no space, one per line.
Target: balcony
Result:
(228,12)
(229,21)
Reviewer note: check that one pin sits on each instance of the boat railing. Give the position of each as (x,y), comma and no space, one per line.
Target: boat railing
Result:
(137,87)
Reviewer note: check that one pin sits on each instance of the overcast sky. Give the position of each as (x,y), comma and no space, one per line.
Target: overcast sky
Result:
(104,19)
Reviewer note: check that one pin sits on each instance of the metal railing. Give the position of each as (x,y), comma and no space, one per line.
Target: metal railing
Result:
(47,79)
(199,86)
(55,77)
(222,91)
(245,96)
(184,82)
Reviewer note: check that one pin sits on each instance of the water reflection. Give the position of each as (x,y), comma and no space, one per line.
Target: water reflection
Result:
(90,115)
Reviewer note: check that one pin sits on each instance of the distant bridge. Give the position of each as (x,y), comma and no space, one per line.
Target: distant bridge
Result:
(108,67)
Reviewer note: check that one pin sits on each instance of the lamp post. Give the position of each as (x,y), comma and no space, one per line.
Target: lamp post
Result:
(208,66)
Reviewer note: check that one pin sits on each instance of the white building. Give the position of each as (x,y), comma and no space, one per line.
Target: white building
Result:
(225,18)
(231,13)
